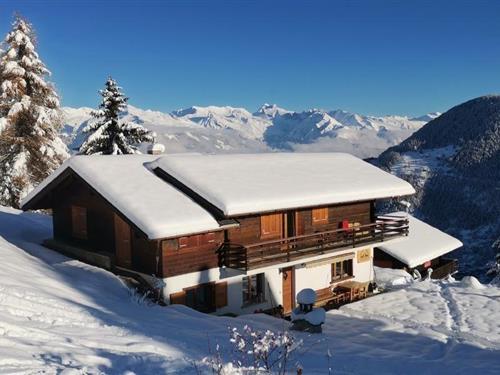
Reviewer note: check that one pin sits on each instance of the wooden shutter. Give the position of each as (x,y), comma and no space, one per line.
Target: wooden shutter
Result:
(221,295)
(183,242)
(271,225)
(178,298)
(123,242)
(320,215)
(210,237)
(79,222)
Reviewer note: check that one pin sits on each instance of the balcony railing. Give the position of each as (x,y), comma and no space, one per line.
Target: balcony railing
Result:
(267,253)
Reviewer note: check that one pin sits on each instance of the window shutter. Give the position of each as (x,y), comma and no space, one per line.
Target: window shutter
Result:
(210,237)
(221,294)
(270,225)
(320,215)
(178,298)
(183,242)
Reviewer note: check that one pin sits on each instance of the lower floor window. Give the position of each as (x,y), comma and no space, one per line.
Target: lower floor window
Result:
(201,297)
(254,288)
(342,270)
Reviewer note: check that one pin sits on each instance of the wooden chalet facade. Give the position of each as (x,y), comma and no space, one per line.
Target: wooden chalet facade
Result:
(226,263)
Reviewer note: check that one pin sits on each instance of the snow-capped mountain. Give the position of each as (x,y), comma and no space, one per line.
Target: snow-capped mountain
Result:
(270,111)
(229,129)
(238,119)
(454,164)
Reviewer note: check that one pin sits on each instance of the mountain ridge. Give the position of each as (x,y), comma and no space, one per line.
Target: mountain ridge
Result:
(454,163)
(270,128)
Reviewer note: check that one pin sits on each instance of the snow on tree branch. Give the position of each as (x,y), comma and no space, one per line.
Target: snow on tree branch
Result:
(106,134)
(30,147)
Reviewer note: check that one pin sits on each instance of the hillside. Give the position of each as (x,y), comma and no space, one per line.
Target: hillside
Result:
(58,314)
(229,129)
(454,162)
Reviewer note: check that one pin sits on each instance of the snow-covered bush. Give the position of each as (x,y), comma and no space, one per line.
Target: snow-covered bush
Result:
(471,282)
(140,298)
(262,350)
(254,352)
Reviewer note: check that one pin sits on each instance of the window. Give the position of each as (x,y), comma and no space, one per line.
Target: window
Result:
(196,240)
(270,225)
(79,222)
(342,270)
(253,289)
(320,215)
(201,297)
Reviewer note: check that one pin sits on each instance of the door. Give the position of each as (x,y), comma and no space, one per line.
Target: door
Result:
(299,224)
(123,243)
(294,227)
(290,224)
(288,275)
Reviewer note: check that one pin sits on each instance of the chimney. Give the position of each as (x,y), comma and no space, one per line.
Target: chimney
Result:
(156,149)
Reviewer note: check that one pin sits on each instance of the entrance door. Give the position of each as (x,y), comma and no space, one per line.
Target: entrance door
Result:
(123,243)
(288,275)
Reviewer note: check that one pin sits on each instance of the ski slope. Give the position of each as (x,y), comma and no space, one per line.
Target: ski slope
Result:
(59,315)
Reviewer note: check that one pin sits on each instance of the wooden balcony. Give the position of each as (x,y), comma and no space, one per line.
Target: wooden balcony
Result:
(267,253)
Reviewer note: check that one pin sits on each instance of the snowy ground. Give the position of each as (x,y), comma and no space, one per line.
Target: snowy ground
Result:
(59,314)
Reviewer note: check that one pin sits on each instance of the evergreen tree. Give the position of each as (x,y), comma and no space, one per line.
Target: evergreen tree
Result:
(107,135)
(30,147)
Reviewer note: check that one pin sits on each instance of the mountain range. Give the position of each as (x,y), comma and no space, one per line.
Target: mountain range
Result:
(229,129)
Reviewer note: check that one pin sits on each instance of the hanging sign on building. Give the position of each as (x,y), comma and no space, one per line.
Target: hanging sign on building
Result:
(364,255)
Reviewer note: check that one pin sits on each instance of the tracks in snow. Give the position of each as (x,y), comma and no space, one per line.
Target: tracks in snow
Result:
(454,330)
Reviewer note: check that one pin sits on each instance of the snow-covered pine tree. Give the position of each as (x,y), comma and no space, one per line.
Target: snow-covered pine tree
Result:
(106,134)
(30,147)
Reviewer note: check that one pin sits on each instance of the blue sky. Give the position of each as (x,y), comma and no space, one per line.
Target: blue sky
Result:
(372,57)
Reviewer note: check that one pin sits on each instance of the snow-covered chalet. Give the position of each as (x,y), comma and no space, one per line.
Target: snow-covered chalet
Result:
(233,233)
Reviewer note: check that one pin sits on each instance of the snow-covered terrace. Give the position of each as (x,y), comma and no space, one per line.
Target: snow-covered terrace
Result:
(423,243)
(250,183)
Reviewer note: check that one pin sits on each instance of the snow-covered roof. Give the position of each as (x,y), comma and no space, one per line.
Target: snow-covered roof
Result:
(423,243)
(153,205)
(249,183)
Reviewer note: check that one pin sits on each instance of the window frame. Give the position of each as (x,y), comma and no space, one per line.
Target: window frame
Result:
(201,297)
(346,270)
(253,297)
